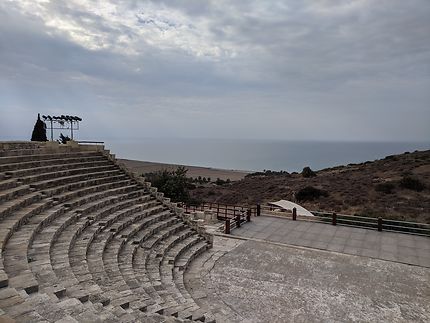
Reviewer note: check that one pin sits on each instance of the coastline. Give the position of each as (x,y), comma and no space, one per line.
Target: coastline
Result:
(142,167)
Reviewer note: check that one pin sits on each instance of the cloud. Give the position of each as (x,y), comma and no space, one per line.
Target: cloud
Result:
(274,69)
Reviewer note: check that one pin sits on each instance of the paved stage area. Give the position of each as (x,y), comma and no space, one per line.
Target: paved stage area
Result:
(254,281)
(391,246)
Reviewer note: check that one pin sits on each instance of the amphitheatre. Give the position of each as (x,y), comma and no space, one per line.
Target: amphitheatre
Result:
(84,239)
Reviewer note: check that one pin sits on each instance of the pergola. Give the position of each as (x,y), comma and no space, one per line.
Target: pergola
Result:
(63,122)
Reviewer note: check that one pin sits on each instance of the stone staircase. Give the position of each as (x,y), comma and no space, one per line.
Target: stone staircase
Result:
(82,239)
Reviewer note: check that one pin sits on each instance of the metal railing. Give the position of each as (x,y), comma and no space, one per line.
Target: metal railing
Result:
(90,142)
(232,215)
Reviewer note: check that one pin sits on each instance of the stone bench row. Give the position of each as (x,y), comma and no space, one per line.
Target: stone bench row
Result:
(73,232)
(19,151)
(85,212)
(8,184)
(45,155)
(14,145)
(109,234)
(53,170)
(112,248)
(26,227)
(143,269)
(53,161)
(61,182)
(10,225)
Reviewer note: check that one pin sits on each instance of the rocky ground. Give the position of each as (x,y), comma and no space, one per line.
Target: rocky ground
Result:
(352,189)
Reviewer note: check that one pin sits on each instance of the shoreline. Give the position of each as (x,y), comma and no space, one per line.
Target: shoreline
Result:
(141,167)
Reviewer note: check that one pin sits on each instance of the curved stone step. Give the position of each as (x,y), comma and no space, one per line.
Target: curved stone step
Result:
(65,239)
(13,193)
(96,260)
(55,169)
(73,236)
(7,208)
(8,184)
(72,175)
(98,179)
(15,248)
(29,165)
(45,156)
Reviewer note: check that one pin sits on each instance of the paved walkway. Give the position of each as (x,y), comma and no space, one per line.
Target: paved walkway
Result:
(404,248)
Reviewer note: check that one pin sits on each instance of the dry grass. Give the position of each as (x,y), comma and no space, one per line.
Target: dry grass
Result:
(352,189)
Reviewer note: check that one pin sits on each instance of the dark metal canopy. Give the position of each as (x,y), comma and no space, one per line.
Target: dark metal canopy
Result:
(63,122)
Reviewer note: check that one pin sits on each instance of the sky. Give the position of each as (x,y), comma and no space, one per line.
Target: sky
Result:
(247,69)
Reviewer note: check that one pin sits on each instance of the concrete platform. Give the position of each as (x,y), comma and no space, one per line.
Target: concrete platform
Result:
(404,248)
(252,281)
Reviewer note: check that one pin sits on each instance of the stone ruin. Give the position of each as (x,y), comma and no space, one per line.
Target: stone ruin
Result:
(85,240)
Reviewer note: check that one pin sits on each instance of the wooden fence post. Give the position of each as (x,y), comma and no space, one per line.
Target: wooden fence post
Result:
(334,219)
(248,215)
(258,209)
(379,224)
(227,226)
(237,220)
(294,214)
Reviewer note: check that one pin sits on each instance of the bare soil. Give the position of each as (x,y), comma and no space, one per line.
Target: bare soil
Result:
(351,188)
(142,167)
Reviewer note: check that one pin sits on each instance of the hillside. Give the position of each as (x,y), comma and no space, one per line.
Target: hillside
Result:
(370,188)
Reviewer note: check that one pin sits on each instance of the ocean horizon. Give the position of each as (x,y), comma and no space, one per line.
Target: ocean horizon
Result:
(257,155)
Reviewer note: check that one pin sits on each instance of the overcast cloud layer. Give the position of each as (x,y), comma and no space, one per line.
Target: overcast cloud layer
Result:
(297,69)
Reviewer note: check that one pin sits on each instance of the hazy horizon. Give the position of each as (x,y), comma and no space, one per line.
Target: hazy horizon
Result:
(276,70)
(257,155)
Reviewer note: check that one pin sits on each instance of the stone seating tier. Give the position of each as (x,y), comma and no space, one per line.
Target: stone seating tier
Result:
(84,240)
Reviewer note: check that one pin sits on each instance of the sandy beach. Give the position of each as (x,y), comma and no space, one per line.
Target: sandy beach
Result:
(142,167)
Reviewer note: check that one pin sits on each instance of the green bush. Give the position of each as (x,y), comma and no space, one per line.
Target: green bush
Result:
(386,188)
(174,184)
(308,172)
(267,173)
(412,183)
(221,182)
(310,193)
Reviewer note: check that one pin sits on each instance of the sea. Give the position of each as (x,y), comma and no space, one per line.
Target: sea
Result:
(257,155)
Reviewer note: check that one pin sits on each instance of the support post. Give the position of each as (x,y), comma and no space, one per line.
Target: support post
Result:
(237,220)
(379,224)
(52,131)
(71,129)
(258,209)
(248,215)
(334,219)
(227,226)
(217,210)
(294,214)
